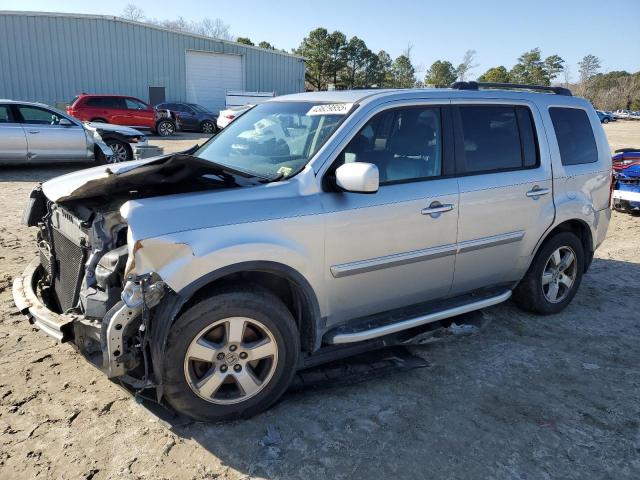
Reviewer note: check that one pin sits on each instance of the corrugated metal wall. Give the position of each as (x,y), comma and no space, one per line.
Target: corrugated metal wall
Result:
(52,57)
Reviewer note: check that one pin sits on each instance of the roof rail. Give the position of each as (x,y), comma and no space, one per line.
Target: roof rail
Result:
(510,86)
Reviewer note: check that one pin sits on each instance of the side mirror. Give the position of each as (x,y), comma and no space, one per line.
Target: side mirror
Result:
(64,122)
(358,177)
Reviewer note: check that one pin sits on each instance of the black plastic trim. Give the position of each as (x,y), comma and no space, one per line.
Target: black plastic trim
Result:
(510,86)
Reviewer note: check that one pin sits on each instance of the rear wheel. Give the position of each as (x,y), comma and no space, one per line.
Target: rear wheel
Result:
(231,355)
(208,127)
(605,120)
(554,275)
(165,128)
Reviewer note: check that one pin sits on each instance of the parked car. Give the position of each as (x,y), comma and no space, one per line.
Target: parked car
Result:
(622,114)
(626,168)
(605,117)
(191,116)
(225,117)
(36,133)
(122,141)
(211,276)
(121,110)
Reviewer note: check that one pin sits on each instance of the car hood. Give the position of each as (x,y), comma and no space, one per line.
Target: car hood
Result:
(108,127)
(160,175)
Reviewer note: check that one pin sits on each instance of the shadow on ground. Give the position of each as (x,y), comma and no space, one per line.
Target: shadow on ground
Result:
(526,397)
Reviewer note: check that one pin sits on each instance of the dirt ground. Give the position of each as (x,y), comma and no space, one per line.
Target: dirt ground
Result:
(525,398)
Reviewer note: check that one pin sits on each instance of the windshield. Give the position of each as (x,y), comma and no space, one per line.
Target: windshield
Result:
(274,139)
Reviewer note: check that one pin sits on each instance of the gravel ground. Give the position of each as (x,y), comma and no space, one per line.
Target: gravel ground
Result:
(526,398)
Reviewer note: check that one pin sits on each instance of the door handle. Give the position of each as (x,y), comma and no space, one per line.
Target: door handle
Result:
(34,131)
(436,208)
(536,192)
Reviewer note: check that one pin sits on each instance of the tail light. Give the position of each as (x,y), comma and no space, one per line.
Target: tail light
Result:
(229,116)
(611,187)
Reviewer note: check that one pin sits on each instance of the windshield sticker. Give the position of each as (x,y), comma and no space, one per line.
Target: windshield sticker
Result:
(330,109)
(284,171)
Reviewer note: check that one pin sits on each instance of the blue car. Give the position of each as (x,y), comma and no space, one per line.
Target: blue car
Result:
(605,117)
(626,171)
(191,117)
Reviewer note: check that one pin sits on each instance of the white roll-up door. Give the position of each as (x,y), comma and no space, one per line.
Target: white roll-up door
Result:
(210,75)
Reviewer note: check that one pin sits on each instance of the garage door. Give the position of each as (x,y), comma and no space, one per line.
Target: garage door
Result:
(210,75)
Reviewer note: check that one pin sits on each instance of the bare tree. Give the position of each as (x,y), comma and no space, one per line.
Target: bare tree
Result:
(467,65)
(566,73)
(133,12)
(215,28)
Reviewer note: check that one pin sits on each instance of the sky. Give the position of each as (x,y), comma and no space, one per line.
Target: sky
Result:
(499,30)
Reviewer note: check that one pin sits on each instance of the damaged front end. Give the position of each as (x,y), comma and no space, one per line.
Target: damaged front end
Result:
(78,288)
(84,286)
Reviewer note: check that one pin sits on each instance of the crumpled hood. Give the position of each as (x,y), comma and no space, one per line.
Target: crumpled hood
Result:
(162,173)
(108,127)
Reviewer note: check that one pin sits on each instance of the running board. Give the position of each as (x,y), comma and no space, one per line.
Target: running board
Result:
(337,338)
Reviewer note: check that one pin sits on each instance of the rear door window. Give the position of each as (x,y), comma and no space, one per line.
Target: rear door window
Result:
(574,134)
(133,104)
(495,138)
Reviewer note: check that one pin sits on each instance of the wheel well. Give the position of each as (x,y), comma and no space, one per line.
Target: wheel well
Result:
(582,231)
(295,297)
(98,120)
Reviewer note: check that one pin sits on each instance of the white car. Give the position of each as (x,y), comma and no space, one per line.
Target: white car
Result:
(225,117)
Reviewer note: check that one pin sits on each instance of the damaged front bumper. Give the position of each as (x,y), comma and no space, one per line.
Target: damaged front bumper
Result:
(58,326)
(103,343)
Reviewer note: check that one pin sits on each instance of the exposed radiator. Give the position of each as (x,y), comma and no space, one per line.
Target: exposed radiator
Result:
(69,267)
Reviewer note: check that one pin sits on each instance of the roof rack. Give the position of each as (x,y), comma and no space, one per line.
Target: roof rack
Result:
(510,86)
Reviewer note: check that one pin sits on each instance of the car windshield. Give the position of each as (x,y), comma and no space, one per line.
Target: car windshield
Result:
(275,139)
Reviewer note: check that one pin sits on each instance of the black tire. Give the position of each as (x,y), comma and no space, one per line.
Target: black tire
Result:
(208,127)
(605,120)
(165,128)
(98,120)
(122,151)
(529,294)
(251,302)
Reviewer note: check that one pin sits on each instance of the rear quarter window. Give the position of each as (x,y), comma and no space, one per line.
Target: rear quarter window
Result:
(575,138)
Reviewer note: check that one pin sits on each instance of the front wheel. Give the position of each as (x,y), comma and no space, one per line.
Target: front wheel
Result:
(553,277)
(121,152)
(165,128)
(232,355)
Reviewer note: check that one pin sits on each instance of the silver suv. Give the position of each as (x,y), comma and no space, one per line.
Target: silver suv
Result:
(314,226)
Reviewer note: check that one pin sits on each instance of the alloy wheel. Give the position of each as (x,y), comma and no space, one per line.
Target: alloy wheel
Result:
(207,127)
(559,274)
(165,129)
(120,153)
(231,360)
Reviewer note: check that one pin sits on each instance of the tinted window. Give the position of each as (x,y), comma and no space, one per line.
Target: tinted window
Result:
(496,138)
(405,144)
(575,137)
(181,107)
(134,104)
(4,114)
(38,116)
(105,102)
